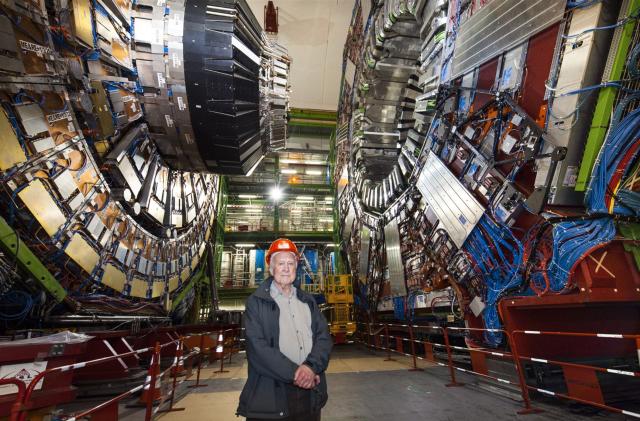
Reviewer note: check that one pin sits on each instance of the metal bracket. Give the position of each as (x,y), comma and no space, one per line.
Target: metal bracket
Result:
(538,199)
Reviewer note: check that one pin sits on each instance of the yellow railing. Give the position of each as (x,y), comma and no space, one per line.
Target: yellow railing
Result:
(314,288)
(339,289)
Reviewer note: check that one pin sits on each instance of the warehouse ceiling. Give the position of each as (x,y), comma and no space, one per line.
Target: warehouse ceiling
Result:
(314,34)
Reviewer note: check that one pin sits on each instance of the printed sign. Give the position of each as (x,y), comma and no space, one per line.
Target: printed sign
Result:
(25,372)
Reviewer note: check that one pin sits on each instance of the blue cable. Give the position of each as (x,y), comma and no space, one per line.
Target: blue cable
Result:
(398,308)
(579,4)
(15,298)
(620,139)
(499,269)
(571,241)
(633,63)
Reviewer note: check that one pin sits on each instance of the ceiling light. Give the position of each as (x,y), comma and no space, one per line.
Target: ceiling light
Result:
(289,161)
(245,245)
(276,193)
(325,220)
(312,162)
(288,171)
(248,196)
(328,199)
(305,198)
(313,172)
(295,211)
(242,222)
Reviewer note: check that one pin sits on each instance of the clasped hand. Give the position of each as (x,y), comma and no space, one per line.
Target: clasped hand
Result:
(305,377)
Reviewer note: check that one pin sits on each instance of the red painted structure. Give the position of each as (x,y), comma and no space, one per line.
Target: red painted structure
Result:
(54,389)
(270,18)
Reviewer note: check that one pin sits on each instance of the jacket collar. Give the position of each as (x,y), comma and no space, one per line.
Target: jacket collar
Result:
(263,292)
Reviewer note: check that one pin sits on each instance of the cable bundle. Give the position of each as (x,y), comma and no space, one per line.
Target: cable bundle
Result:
(15,299)
(616,157)
(572,240)
(497,257)
(398,308)
(117,305)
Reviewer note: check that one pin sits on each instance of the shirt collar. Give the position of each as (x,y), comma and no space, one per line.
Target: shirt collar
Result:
(275,291)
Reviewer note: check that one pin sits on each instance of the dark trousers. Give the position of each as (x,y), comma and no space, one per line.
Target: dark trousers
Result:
(299,401)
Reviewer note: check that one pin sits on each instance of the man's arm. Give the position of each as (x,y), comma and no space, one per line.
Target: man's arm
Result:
(267,360)
(318,358)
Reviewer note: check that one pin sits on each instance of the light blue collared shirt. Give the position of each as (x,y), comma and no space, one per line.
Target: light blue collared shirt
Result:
(296,339)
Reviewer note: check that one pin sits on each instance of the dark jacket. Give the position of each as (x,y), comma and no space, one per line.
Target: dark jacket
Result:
(264,394)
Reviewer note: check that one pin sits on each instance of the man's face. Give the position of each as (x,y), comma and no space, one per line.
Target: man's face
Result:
(284,267)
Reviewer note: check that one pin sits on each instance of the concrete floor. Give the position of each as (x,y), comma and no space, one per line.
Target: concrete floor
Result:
(362,386)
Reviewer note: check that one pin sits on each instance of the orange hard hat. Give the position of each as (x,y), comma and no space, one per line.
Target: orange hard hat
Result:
(280,245)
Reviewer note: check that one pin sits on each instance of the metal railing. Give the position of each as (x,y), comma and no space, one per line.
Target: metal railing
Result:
(392,338)
(227,342)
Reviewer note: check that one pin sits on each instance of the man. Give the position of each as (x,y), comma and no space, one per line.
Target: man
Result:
(288,345)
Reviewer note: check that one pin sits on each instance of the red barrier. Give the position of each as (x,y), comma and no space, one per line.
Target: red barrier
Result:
(199,364)
(220,351)
(151,388)
(17,405)
(528,409)
(413,350)
(582,383)
(375,337)
(580,374)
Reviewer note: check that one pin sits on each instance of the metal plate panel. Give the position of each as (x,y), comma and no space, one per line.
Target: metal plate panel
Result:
(499,26)
(194,261)
(129,174)
(32,119)
(66,184)
(12,153)
(157,289)
(139,288)
(82,253)
(513,68)
(394,259)
(42,206)
(113,277)
(95,227)
(82,21)
(348,222)
(173,283)
(455,207)
(365,237)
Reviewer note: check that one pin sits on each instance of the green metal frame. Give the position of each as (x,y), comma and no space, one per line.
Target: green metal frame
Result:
(268,236)
(221,219)
(311,123)
(199,277)
(227,294)
(308,114)
(249,187)
(12,245)
(312,118)
(606,100)
(336,214)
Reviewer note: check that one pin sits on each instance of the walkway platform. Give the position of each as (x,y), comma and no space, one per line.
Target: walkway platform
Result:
(362,386)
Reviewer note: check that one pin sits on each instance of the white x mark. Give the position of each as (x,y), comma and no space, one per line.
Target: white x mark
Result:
(599,264)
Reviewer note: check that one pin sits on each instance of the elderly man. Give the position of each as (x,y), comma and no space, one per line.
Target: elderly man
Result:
(288,345)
